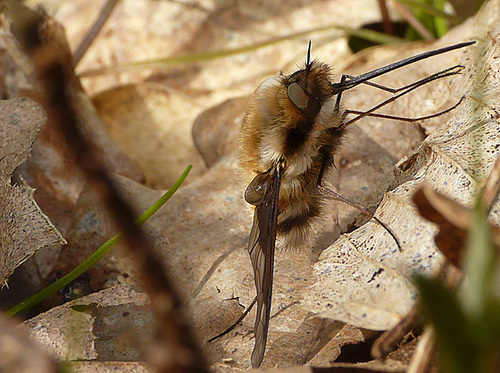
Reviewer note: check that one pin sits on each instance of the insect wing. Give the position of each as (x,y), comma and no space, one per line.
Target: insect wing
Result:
(261,247)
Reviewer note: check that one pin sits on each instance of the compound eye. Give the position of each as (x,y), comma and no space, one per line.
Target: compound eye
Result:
(307,104)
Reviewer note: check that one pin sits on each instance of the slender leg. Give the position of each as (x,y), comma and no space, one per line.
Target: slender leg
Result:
(341,198)
(343,78)
(396,90)
(404,119)
(448,72)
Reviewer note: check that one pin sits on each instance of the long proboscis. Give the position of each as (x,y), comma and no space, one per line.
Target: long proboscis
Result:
(348,84)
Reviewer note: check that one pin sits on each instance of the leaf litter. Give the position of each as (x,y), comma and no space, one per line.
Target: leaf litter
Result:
(202,235)
(25,228)
(357,281)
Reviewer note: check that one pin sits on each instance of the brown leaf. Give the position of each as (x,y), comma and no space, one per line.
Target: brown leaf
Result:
(25,229)
(109,366)
(216,130)
(91,226)
(50,169)
(203,26)
(20,353)
(446,213)
(203,230)
(362,278)
(148,122)
(102,325)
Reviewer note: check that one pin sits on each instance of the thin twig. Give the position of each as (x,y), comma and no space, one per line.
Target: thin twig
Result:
(89,38)
(407,15)
(173,348)
(386,21)
(423,353)
(240,319)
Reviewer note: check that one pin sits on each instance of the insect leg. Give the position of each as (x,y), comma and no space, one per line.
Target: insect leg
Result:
(396,90)
(341,198)
(444,73)
(240,319)
(343,78)
(404,119)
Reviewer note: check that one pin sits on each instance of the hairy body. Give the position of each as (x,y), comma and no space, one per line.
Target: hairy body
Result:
(275,130)
(292,129)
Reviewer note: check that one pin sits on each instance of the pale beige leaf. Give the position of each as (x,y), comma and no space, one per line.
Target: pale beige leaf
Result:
(145,30)
(151,125)
(20,353)
(202,232)
(109,367)
(23,226)
(362,278)
(107,325)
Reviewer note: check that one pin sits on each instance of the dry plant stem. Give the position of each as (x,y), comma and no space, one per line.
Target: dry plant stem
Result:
(407,15)
(491,187)
(173,348)
(240,319)
(386,21)
(89,38)
(389,340)
(423,353)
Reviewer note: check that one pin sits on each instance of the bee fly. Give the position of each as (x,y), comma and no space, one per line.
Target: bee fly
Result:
(293,126)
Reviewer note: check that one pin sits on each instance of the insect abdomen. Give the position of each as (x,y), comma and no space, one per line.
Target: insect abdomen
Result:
(299,205)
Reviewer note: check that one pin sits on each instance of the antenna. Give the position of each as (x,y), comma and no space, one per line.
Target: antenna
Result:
(308,58)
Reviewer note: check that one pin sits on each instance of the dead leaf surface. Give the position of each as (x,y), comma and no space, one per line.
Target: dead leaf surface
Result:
(151,125)
(362,278)
(106,326)
(203,231)
(109,367)
(20,353)
(25,229)
(145,30)
(91,226)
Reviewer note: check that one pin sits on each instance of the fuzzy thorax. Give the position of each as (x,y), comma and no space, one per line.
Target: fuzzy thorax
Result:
(274,129)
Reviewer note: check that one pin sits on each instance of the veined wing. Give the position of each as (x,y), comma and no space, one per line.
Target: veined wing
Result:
(261,247)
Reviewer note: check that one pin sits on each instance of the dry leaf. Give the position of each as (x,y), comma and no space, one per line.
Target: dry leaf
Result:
(138,31)
(203,230)
(108,325)
(443,211)
(91,226)
(109,367)
(362,278)
(50,169)
(25,229)
(149,122)
(20,353)
(216,130)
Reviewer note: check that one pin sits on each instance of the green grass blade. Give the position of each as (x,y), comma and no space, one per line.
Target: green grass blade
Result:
(374,36)
(440,307)
(430,10)
(479,266)
(96,256)
(440,24)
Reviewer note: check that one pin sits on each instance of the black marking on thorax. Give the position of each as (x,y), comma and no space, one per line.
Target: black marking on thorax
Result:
(296,137)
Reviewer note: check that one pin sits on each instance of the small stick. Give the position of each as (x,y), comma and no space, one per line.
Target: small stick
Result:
(240,319)
(89,38)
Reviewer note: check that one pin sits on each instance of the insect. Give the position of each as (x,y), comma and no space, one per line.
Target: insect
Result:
(293,126)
